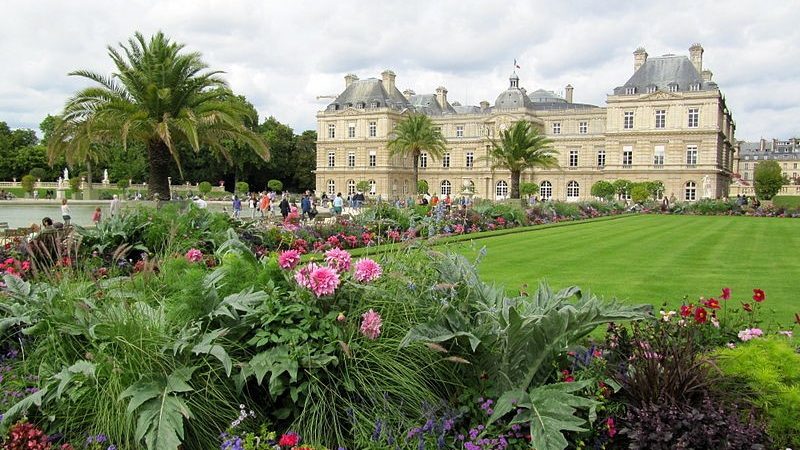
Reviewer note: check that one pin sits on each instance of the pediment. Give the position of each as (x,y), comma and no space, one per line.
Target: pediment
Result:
(350,111)
(661,95)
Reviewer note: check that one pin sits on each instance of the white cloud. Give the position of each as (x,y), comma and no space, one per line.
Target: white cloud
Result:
(280,55)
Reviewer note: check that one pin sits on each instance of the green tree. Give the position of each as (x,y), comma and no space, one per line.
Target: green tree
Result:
(521,147)
(412,136)
(38,173)
(275,185)
(655,188)
(768,179)
(622,187)
(422,186)
(28,181)
(123,184)
(242,187)
(204,187)
(529,189)
(603,189)
(162,97)
(640,193)
(362,186)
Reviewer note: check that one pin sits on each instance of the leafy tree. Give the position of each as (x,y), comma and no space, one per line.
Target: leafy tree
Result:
(412,136)
(242,187)
(204,187)
(622,187)
(38,173)
(640,193)
(422,186)
(162,97)
(305,160)
(123,184)
(30,157)
(768,179)
(46,127)
(655,188)
(603,189)
(529,189)
(75,185)
(275,185)
(521,147)
(28,182)
(362,186)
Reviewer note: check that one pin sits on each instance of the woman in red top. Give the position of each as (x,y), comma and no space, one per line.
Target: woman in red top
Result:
(97,215)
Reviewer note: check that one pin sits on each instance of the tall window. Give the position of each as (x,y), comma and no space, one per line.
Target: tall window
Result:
(331,159)
(445,187)
(601,158)
(658,155)
(573,158)
(373,129)
(746,166)
(583,127)
(331,131)
(661,118)
(556,127)
(546,189)
(373,158)
(373,187)
(630,90)
(351,187)
(627,156)
(351,130)
(673,88)
(459,130)
(423,160)
(573,190)
(446,160)
(627,120)
(501,189)
(694,117)
(470,160)
(691,155)
(690,191)
(351,159)
(331,187)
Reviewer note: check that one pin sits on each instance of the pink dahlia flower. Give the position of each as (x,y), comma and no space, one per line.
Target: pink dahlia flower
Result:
(338,260)
(371,324)
(194,255)
(289,259)
(367,270)
(320,280)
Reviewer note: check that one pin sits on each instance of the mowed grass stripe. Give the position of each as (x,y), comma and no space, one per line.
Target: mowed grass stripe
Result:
(655,259)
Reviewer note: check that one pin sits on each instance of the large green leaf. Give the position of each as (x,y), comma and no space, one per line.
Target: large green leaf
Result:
(551,410)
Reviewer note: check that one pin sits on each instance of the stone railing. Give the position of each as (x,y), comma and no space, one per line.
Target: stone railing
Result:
(54,185)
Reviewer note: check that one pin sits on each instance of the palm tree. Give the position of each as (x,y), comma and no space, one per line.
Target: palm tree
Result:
(164,98)
(522,147)
(78,143)
(416,134)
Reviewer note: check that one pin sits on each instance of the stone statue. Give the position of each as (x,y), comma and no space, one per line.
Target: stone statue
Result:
(66,174)
(105,176)
(706,186)
(60,182)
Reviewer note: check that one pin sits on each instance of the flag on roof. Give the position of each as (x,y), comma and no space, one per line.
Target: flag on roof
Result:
(516,65)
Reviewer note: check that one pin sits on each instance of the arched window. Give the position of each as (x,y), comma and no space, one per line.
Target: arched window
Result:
(446,187)
(546,190)
(690,191)
(331,187)
(501,189)
(373,187)
(351,187)
(573,190)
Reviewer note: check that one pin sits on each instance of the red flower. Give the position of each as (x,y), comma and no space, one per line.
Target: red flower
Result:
(712,303)
(747,307)
(726,294)
(612,430)
(759,295)
(686,310)
(700,315)
(289,439)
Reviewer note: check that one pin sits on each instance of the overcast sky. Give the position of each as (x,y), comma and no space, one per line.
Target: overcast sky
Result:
(281,55)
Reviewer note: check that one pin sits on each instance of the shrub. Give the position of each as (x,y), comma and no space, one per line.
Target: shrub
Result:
(275,185)
(362,186)
(242,187)
(75,185)
(603,189)
(28,182)
(204,187)
(38,173)
(123,184)
(640,193)
(422,186)
(529,189)
(768,179)
(770,368)
(622,187)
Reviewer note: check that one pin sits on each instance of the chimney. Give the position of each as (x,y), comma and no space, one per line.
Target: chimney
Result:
(484,105)
(441,97)
(349,79)
(707,74)
(408,93)
(696,56)
(639,58)
(763,145)
(388,81)
(568,93)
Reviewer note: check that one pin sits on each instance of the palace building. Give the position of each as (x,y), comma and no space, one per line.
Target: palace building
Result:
(668,122)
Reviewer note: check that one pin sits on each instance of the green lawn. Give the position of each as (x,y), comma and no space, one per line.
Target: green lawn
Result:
(787,201)
(653,259)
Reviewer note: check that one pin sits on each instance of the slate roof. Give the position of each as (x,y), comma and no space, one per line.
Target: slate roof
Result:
(427,104)
(369,93)
(663,71)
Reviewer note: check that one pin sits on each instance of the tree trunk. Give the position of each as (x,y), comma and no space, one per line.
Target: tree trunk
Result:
(88,195)
(160,161)
(515,183)
(416,173)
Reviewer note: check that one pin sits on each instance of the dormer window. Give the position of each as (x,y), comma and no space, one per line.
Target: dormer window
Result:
(673,88)
(376,104)
(630,90)
(334,107)
(360,105)
(349,105)
(651,89)
(694,87)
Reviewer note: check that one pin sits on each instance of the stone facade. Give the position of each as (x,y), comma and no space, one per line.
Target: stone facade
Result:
(668,122)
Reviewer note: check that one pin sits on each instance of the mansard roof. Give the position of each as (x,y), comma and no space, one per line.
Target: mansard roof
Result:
(664,71)
(427,104)
(369,93)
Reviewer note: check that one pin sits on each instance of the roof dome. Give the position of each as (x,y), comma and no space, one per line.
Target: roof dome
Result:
(542,96)
(513,97)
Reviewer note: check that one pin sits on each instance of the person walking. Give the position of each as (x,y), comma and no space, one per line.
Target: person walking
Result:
(237,207)
(66,213)
(338,204)
(97,215)
(284,207)
(114,206)
(305,206)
